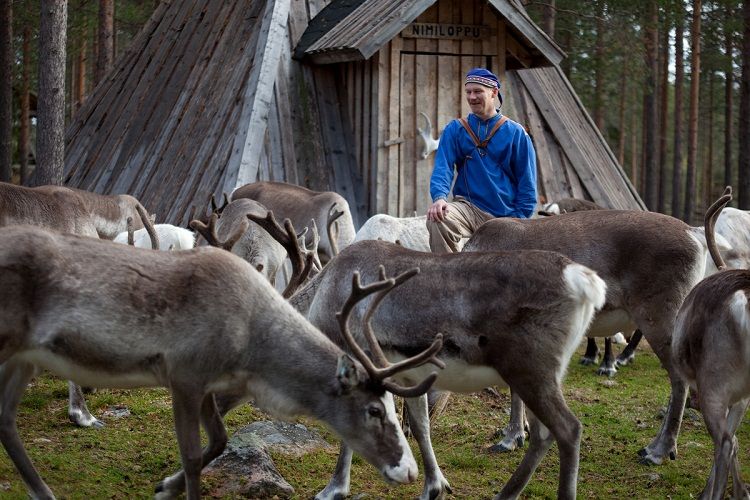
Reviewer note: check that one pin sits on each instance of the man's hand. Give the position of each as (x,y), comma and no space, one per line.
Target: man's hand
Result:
(437,210)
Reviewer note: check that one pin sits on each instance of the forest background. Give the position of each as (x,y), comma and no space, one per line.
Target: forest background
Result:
(666,81)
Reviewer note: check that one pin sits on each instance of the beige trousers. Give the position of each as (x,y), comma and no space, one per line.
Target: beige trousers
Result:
(461,221)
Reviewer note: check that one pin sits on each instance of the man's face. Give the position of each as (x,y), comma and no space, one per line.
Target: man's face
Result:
(481,99)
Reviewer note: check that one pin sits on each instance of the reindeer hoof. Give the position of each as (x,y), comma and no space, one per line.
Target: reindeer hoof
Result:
(85,420)
(625,360)
(609,371)
(588,361)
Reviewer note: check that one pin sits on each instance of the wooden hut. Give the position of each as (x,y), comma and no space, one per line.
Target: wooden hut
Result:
(213,95)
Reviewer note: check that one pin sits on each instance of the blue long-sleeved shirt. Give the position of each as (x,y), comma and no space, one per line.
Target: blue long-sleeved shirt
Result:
(501,182)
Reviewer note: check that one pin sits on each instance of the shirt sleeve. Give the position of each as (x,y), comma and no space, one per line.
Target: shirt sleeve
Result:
(523,163)
(445,158)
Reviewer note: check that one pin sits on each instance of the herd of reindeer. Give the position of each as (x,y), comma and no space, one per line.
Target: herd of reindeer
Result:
(360,316)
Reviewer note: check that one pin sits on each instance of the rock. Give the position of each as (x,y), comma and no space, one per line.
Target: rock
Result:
(246,469)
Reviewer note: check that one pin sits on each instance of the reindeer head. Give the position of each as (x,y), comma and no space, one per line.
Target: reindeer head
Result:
(429,144)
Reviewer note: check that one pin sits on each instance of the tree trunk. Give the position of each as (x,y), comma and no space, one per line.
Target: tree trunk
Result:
(6,89)
(25,121)
(663,115)
(599,67)
(651,59)
(79,93)
(548,18)
(634,156)
(708,172)
(51,99)
(743,167)
(621,114)
(695,74)
(106,45)
(728,99)
(679,78)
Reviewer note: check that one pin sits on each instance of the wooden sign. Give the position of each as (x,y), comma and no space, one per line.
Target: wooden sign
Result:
(449,31)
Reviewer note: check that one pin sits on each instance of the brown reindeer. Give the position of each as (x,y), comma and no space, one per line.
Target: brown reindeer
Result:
(649,261)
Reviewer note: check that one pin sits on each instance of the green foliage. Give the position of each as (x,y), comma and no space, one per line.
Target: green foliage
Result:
(619,416)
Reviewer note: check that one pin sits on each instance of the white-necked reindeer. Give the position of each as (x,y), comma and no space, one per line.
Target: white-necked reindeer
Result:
(711,348)
(330,210)
(201,322)
(430,144)
(649,261)
(497,329)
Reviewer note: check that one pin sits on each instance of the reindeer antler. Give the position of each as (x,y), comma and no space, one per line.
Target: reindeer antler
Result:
(209,232)
(214,208)
(333,214)
(131,232)
(709,222)
(312,249)
(287,237)
(388,369)
(146,220)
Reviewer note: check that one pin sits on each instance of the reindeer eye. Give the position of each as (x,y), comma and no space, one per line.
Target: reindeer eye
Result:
(375,412)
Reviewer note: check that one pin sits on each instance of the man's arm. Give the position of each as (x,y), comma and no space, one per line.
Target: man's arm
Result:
(523,163)
(442,174)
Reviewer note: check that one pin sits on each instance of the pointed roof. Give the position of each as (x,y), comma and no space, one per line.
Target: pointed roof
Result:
(353,30)
(144,130)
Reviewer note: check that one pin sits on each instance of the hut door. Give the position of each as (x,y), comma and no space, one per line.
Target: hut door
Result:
(431,84)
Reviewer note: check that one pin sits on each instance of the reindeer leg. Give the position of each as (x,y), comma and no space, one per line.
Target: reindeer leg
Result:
(435,484)
(186,405)
(559,424)
(13,380)
(607,367)
(628,354)
(338,487)
(592,352)
(664,445)
(515,431)
(736,412)
(78,412)
(213,423)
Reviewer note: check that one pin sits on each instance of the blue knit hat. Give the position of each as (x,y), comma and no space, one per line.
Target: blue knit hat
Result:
(483,77)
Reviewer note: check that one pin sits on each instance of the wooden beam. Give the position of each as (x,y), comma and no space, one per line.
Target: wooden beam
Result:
(243,164)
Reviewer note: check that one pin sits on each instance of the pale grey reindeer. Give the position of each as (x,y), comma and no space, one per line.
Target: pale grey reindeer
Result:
(498,329)
(58,209)
(201,322)
(109,212)
(711,346)
(649,261)
(330,210)
(254,245)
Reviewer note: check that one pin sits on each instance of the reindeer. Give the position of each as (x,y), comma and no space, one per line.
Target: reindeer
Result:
(497,329)
(109,212)
(649,261)
(711,346)
(58,209)
(429,144)
(254,245)
(298,204)
(609,363)
(201,322)
(169,237)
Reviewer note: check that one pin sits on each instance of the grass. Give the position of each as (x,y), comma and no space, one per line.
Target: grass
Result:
(620,415)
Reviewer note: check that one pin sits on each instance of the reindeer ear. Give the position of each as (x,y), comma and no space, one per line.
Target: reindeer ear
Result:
(346,373)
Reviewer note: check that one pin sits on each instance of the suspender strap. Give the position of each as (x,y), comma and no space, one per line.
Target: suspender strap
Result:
(477,142)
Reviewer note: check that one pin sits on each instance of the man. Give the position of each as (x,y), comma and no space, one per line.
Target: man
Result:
(495,167)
